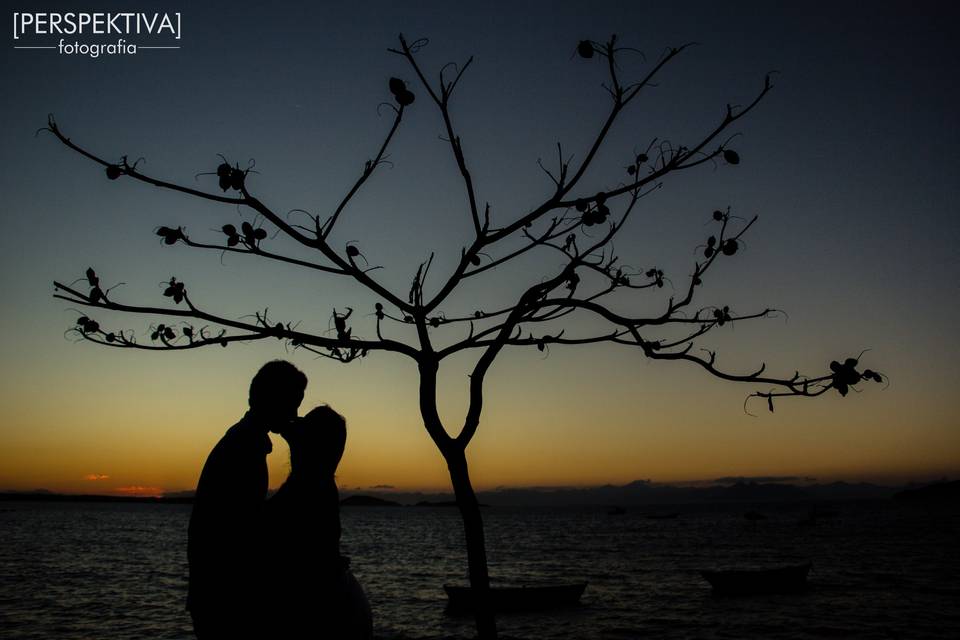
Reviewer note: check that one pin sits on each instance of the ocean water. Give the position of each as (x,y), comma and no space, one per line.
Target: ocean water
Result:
(87,571)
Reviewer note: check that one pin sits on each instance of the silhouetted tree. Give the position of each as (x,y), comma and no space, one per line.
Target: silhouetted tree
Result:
(590,273)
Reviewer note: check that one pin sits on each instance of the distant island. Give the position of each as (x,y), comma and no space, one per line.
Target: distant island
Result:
(367,501)
(645,492)
(940,492)
(634,494)
(47,496)
(441,503)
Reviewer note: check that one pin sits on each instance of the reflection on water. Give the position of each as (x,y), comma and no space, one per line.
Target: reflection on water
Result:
(880,569)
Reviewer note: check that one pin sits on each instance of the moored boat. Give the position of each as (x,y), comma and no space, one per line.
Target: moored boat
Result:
(460,599)
(673,515)
(758,581)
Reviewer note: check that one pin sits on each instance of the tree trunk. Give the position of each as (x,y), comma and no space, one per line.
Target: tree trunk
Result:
(454,453)
(476,545)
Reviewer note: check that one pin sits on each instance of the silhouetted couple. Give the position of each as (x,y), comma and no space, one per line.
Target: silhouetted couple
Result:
(271,568)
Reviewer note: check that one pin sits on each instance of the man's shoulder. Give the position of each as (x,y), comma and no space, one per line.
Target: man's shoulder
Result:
(244,436)
(238,457)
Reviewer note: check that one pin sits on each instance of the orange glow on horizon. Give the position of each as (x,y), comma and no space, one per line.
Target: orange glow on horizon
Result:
(140,492)
(636,422)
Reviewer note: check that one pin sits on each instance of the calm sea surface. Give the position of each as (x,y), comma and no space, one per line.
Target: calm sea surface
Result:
(880,570)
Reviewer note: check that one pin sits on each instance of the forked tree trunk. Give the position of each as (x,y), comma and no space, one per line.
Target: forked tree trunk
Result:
(476,544)
(454,453)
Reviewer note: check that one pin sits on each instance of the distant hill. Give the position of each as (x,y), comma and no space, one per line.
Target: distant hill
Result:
(644,492)
(367,501)
(637,493)
(940,492)
(180,494)
(47,496)
(443,503)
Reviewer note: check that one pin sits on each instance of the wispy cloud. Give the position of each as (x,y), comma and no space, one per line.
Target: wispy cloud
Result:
(96,476)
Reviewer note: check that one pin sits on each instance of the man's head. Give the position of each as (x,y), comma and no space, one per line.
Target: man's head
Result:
(276,393)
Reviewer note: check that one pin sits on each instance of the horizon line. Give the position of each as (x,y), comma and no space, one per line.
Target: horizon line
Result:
(799,481)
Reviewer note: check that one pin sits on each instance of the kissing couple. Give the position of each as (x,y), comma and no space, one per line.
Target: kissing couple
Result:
(272,568)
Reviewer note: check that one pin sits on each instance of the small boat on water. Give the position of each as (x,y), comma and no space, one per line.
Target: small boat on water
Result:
(817,515)
(460,599)
(788,579)
(673,515)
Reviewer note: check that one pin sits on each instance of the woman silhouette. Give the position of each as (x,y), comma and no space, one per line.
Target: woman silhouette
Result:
(315,595)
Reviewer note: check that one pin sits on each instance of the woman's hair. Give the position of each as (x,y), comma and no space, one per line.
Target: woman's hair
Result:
(319,440)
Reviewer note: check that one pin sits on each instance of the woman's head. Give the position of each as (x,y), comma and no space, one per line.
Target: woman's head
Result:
(317,440)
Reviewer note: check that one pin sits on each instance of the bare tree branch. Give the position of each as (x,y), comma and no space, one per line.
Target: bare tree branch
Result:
(443,102)
(101,302)
(368,170)
(117,169)
(249,247)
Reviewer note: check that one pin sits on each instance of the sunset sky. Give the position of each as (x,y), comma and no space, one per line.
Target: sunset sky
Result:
(851,162)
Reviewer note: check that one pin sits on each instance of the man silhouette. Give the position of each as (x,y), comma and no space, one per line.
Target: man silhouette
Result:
(226,535)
